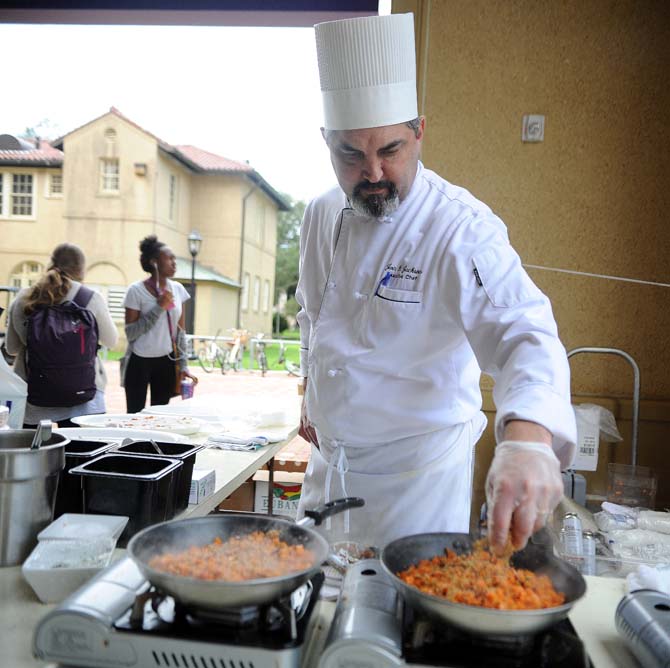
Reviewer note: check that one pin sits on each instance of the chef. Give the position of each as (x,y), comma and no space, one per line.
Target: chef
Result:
(409,289)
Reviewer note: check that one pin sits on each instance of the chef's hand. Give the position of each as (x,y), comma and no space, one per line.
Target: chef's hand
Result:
(306,430)
(523,487)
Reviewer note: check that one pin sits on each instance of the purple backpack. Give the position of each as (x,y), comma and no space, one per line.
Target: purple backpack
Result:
(61,352)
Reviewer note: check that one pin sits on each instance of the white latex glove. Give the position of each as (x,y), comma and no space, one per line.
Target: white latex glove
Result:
(523,486)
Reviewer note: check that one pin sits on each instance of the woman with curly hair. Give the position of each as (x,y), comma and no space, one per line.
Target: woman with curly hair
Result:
(156,354)
(61,283)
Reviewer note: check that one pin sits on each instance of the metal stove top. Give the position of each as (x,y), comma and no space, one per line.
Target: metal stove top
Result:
(372,627)
(118,620)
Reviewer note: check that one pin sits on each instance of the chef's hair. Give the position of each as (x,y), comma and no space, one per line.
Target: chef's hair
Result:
(414,125)
(67,264)
(150,249)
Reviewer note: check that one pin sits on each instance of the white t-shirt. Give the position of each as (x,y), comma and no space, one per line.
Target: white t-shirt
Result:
(156,342)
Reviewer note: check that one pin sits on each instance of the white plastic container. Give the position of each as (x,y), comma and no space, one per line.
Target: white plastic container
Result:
(75,526)
(57,568)
(13,393)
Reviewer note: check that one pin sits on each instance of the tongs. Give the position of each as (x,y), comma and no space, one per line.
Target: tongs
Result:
(42,434)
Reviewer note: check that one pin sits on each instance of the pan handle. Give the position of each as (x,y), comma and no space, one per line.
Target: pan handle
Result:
(319,514)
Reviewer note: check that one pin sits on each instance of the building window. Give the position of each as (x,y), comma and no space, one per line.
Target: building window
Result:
(115,296)
(22,194)
(56,184)
(173,195)
(26,274)
(244,297)
(266,296)
(257,293)
(109,175)
(17,195)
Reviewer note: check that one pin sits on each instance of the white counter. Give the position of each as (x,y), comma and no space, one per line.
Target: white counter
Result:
(19,607)
(593,617)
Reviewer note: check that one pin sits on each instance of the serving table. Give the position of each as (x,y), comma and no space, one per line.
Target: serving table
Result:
(231,468)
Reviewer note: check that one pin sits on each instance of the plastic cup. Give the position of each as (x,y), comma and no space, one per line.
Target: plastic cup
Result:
(187,386)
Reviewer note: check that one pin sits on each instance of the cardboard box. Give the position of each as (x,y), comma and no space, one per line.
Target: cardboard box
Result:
(202,485)
(242,499)
(287,489)
(293,457)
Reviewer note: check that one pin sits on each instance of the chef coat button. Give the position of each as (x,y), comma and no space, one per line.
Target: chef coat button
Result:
(332,373)
(331,284)
(360,295)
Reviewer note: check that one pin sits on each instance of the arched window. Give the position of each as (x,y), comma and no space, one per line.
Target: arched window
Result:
(26,274)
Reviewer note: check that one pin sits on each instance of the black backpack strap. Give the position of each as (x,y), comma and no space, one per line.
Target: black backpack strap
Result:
(83,296)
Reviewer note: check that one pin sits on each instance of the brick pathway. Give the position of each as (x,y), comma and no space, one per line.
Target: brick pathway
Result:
(275,383)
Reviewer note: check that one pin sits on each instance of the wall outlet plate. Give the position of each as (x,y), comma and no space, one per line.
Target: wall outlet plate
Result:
(533,128)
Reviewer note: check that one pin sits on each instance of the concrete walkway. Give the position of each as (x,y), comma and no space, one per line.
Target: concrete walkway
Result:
(274,383)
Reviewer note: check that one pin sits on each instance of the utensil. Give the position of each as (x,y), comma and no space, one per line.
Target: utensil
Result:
(212,595)
(42,434)
(536,556)
(155,447)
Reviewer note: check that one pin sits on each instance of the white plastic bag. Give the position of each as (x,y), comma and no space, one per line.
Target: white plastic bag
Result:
(13,393)
(654,521)
(593,423)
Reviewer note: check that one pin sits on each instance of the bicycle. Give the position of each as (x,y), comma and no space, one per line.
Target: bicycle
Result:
(211,354)
(232,355)
(261,357)
(293,369)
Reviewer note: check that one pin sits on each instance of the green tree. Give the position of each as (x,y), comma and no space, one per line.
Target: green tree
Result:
(288,248)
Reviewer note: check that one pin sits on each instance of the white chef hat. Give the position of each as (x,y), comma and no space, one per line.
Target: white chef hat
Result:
(367,68)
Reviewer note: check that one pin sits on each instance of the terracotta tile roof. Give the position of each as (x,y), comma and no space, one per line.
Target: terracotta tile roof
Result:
(43,155)
(211,162)
(196,158)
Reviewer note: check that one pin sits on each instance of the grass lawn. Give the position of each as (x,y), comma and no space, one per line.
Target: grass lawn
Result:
(271,351)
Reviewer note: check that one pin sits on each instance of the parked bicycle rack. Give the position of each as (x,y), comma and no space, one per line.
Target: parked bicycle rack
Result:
(636,388)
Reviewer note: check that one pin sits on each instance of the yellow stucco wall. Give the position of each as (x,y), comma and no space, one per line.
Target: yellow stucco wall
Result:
(33,237)
(109,226)
(592,197)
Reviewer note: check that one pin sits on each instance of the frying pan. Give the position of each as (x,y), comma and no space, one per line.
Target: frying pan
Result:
(216,595)
(536,556)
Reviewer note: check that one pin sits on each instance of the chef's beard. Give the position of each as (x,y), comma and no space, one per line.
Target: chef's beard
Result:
(375,206)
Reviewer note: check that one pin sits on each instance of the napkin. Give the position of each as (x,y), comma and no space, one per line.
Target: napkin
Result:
(229,441)
(650,577)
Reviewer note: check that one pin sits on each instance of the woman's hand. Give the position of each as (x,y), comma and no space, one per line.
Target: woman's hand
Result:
(166,300)
(188,374)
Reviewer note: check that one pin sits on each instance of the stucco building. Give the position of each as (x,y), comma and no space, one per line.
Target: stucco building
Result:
(109,183)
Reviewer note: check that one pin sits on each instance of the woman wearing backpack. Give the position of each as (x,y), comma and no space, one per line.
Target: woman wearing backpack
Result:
(156,354)
(64,374)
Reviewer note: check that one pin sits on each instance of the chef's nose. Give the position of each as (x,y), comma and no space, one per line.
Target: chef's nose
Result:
(373,170)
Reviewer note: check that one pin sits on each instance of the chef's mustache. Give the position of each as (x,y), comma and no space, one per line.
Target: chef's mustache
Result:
(363,186)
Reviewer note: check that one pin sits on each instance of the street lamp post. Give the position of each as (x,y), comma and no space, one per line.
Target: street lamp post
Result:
(194,243)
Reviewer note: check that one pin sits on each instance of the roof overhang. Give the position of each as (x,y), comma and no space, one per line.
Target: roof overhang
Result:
(202,273)
(260,13)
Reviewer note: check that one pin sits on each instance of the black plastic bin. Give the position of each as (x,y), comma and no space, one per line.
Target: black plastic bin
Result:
(186,452)
(140,487)
(77,451)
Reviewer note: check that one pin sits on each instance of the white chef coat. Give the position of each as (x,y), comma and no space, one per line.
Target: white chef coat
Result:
(400,316)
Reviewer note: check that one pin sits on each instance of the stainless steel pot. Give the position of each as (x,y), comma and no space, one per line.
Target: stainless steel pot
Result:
(536,556)
(213,595)
(28,483)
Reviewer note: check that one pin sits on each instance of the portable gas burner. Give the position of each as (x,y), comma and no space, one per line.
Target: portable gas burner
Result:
(118,619)
(373,627)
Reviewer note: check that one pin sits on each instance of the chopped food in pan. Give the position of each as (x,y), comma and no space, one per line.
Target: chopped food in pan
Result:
(483,579)
(255,555)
